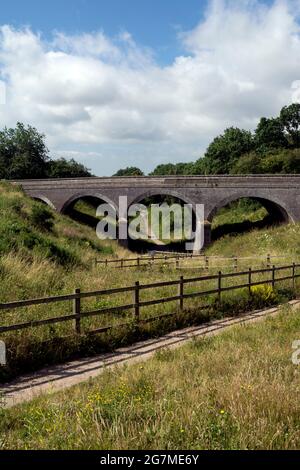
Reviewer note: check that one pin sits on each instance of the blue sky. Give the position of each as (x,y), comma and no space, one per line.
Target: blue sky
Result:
(139,82)
(154,23)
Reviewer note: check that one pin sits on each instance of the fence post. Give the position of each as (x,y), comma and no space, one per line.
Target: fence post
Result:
(219,286)
(138,262)
(250,280)
(207,262)
(268,261)
(294,272)
(106,262)
(136,299)
(273,276)
(235,263)
(180,292)
(77,310)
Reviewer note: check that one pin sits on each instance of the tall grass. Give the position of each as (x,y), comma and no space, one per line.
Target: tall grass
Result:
(238,390)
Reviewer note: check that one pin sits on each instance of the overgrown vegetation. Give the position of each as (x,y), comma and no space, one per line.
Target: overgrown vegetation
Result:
(54,259)
(237,390)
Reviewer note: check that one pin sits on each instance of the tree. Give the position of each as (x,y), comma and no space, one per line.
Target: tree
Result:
(129,171)
(226,149)
(199,167)
(290,119)
(236,151)
(248,164)
(269,135)
(169,169)
(63,168)
(23,153)
(165,169)
(284,161)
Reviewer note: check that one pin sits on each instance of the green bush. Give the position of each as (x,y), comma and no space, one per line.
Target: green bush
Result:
(51,250)
(16,236)
(263,294)
(41,217)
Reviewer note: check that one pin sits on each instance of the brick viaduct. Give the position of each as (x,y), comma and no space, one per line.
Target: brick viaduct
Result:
(280,194)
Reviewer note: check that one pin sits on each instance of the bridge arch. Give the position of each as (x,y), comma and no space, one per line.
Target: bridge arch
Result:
(275,207)
(87,194)
(173,244)
(161,193)
(45,200)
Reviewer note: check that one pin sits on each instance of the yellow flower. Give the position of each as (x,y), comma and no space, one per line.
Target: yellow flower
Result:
(222,412)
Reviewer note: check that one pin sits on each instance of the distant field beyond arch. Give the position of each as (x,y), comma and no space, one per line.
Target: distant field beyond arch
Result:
(244,214)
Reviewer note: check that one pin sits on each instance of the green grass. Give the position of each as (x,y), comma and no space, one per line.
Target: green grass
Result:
(238,390)
(239,212)
(283,240)
(276,240)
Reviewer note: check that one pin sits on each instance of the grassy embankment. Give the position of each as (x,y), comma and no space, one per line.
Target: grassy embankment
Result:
(53,257)
(238,390)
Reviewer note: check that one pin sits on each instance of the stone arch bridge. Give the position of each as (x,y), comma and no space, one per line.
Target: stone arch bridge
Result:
(280,194)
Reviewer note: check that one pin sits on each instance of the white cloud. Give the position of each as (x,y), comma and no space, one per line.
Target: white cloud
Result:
(95,45)
(107,97)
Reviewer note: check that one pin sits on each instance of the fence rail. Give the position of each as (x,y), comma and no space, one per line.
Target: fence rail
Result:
(177,259)
(137,304)
(139,260)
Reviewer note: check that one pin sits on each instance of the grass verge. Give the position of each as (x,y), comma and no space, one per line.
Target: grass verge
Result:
(237,390)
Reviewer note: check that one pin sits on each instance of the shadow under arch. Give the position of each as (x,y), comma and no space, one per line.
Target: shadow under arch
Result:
(157,196)
(277,214)
(93,200)
(86,194)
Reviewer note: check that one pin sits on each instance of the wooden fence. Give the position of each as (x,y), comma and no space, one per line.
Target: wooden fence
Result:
(145,260)
(177,260)
(290,274)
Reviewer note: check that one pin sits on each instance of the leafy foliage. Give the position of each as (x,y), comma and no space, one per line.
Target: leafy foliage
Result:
(290,118)
(270,135)
(24,155)
(173,169)
(41,217)
(273,148)
(63,168)
(130,171)
(225,150)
